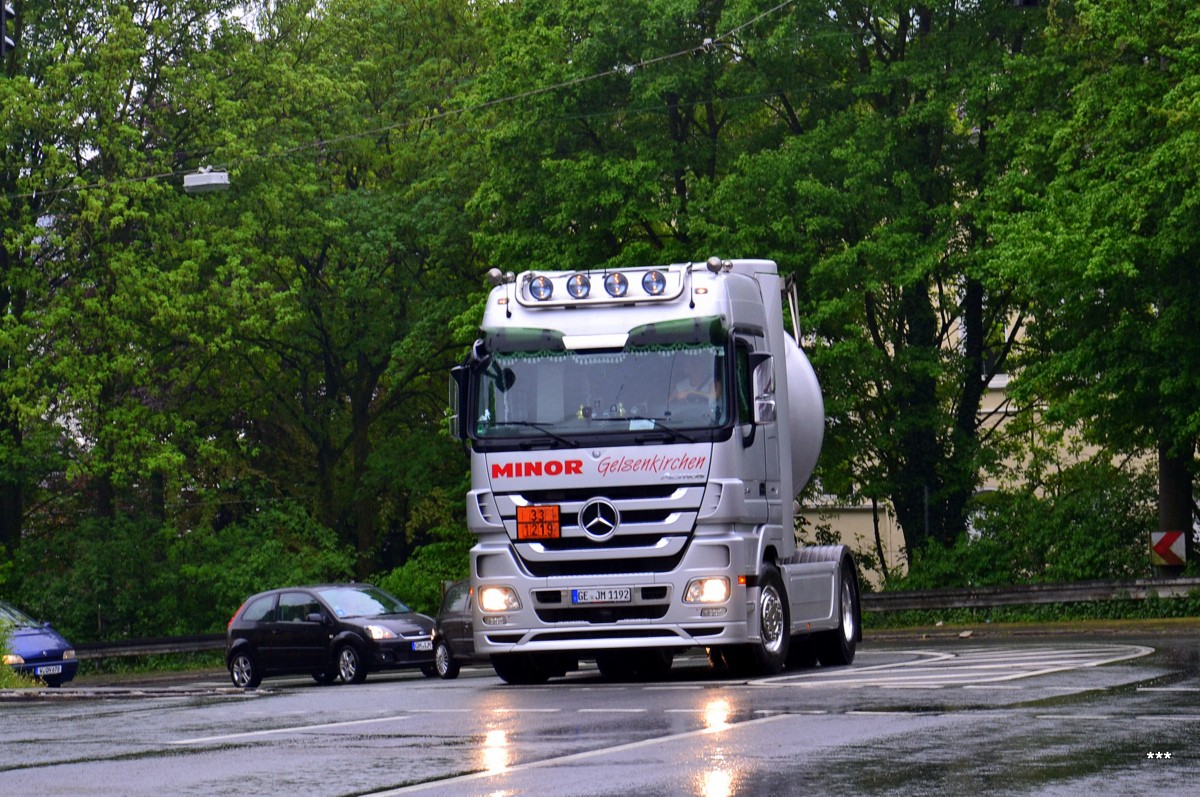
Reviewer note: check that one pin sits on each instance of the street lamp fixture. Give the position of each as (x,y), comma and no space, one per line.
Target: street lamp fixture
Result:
(205,180)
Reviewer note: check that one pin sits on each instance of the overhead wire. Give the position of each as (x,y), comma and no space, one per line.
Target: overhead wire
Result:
(705,45)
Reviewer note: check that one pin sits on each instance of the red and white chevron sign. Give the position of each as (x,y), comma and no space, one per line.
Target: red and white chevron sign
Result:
(1166,548)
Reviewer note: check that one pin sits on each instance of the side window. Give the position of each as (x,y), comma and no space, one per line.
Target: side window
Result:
(460,597)
(294,607)
(456,598)
(260,609)
(742,382)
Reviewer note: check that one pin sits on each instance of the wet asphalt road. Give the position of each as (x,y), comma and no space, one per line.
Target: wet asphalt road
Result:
(1050,714)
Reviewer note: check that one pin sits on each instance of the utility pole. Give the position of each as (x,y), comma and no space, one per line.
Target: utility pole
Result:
(6,43)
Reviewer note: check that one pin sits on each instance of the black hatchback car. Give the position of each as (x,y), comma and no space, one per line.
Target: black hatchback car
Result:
(329,631)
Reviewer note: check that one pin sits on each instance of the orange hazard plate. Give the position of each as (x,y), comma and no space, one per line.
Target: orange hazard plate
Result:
(538,522)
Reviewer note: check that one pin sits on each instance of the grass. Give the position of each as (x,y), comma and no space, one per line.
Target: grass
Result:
(158,663)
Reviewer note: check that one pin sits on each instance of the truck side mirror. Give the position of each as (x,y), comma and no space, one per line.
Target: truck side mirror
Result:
(762,368)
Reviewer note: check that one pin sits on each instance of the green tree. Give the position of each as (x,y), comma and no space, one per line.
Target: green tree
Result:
(1106,246)
(619,120)
(881,199)
(357,257)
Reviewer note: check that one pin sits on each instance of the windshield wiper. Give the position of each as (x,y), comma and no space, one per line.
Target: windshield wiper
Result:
(565,441)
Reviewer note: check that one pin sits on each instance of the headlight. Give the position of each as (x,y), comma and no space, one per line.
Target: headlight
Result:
(498,599)
(378,632)
(616,285)
(707,590)
(579,286)
(541,288)
(68,654)
(654,283)
(13,658)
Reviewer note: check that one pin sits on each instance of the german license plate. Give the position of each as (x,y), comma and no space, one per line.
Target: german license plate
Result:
(49,669)
(601,595)
(423,644)
(538,522)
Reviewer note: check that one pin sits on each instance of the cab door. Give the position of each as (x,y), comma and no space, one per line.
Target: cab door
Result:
(758,441)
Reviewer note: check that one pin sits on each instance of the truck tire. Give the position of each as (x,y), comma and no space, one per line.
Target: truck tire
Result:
(615,665)
(836,648)
(654,664)
(768,655)
(520,669)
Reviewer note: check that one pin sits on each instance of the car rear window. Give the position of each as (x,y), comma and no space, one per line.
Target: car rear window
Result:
(259,610)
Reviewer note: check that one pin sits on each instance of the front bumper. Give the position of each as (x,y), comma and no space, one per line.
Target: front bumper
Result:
(403,652)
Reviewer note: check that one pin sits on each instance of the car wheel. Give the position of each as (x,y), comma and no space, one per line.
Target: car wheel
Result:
(243,670)
(350,665)
(445,664)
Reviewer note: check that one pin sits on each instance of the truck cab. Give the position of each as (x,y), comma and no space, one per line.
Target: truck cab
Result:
(637,438)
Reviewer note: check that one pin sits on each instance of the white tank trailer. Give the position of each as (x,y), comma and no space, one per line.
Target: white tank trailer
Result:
(637,440)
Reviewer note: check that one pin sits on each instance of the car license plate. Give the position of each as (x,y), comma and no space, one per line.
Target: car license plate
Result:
(423,644)
(601,595)
(49,669)
(538,522)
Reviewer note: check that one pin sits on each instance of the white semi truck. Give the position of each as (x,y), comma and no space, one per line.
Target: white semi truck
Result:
(637,439)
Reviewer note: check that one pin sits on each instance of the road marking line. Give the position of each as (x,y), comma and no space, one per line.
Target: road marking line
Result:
(966,667)
(570,759)
(291,729)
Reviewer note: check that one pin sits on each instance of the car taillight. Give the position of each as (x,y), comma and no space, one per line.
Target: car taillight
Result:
(235,615)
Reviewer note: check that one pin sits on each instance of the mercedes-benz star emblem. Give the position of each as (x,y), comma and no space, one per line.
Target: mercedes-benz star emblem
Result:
(599,519)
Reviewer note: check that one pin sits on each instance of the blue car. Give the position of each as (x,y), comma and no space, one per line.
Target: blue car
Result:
(35,648)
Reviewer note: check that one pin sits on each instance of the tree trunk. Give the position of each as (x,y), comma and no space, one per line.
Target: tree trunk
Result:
(1175,494)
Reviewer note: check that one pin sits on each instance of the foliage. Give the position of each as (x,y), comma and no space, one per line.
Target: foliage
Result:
(202,396)
(1105,242)
(1147,609)
(10,678)
(128,578)
(419,581)
(1089,521)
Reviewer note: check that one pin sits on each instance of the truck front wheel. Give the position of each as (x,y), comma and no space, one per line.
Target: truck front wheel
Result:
(768,655)
(521,668)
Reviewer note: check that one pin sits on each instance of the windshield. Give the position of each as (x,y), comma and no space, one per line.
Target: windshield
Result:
(14,617)
(564,394)
(361,601)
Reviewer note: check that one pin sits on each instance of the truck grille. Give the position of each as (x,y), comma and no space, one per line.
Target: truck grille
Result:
(655,528)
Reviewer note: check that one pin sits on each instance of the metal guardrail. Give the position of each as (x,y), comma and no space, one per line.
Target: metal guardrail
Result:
(1029,594)
(196,643)
(933,599)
